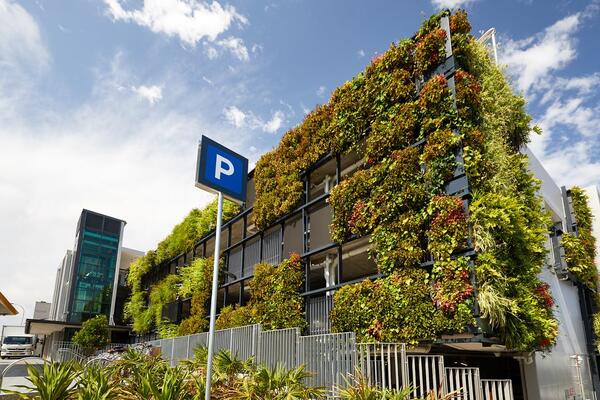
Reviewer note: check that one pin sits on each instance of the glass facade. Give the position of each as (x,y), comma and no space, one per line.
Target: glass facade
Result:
(95,265)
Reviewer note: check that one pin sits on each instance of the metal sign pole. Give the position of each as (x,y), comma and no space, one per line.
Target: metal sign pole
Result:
(213,299)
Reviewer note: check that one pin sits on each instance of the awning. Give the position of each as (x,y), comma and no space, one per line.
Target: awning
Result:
(5,307)
(47,327)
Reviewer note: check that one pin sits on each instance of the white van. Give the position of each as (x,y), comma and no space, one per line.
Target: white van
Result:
(18,346)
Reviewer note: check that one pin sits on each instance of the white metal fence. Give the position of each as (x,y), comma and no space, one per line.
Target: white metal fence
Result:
(279,347)
(62,351)
(383,364)
(466,380)
(425,373)
(331,357)
(497,389)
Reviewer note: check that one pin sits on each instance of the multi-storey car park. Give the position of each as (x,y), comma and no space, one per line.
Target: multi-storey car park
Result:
(415,210)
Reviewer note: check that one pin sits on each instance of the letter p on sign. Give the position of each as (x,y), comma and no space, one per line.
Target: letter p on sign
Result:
(219,167)
(222,170)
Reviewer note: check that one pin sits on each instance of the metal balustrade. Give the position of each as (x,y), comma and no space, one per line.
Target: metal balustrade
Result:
(383,364)
(497,389)
(317,313)
(466,380)
(425,373)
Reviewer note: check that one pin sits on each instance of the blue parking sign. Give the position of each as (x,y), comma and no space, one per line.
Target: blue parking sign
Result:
(221,170)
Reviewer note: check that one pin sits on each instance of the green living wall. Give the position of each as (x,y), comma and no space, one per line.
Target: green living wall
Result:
(415,135)
(144,308)
(580,248)
(580,251)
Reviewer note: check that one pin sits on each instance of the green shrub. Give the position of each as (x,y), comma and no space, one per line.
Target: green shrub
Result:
(93,334)
(95,383)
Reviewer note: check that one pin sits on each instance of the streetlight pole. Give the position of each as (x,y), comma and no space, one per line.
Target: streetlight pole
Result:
(23,315)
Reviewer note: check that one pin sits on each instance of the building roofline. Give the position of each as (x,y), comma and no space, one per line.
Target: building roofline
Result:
(103,215)
(10,310)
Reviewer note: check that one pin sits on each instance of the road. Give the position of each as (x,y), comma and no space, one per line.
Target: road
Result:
(17,374)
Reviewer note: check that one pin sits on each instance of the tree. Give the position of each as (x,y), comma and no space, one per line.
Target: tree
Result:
(93,334)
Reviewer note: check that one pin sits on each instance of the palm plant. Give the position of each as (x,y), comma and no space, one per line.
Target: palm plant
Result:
(55,381)
(137,373)
(276,384)
(95,384)
(358,388)
(174,386)
(227,366)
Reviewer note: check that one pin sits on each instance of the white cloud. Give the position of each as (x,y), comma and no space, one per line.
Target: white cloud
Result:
(152,94)
(305,109)
(236,47)
(532,59)
(231,44)
(211,52)
(108,154)
(321,91)
(274,123)
(205,79)
(247,119)
(21,45)
(190,20)
(452,4)
(568,108)
(235,116)
(361,53)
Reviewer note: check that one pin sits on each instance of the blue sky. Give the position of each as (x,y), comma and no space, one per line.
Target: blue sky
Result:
(102,101)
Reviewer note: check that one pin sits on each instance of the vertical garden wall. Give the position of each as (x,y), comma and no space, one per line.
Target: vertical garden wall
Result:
(443,193)
(445,196)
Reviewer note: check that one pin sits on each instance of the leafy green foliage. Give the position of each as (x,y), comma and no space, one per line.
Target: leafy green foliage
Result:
(95,383)
(55,381)
(404,208)
(399,244)
(509,226)
(596,326)
(448,228)
(430,50)
(161,294)
(233,316)
(397,308)
(93,334)
(580,249)
(197,283)
(196,224)
(276,301)
(276,384)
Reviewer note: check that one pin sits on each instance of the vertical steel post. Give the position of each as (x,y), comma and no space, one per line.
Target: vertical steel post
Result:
(213,298)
